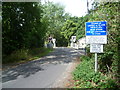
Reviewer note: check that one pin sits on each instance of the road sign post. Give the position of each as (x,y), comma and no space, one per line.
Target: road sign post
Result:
(96,36)
(95,62)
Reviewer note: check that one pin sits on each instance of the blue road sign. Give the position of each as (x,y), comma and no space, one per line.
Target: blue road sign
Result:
(96,28)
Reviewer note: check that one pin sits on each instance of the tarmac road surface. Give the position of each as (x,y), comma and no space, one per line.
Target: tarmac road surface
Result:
(40,73)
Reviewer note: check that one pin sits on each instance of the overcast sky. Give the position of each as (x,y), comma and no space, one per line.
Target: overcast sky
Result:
(74,7)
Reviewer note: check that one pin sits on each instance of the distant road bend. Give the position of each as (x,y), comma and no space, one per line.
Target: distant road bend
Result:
(41,73)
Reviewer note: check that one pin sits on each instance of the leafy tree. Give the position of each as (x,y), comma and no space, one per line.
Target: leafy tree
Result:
(22,26)
(69,29)
(55,16)
(74,26)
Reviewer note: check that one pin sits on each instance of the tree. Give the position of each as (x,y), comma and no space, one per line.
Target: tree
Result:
(22,26)
(54,17)
(75,26)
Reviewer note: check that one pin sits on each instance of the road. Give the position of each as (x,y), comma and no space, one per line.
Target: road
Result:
(41,73)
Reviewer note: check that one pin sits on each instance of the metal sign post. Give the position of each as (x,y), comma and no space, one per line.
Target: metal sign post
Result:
(95,62)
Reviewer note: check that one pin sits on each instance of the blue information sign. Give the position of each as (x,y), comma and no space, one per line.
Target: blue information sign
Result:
(96,28)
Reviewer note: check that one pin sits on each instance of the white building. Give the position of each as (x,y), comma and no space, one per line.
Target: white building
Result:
(81,43)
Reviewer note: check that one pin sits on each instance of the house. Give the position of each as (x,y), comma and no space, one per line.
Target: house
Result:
(81,43)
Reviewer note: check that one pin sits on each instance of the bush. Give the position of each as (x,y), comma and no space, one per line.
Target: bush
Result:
(16,56)
(23,55)
(86,77)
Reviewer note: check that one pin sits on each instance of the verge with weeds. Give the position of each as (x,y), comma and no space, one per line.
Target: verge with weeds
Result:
(85,76)
(24,55)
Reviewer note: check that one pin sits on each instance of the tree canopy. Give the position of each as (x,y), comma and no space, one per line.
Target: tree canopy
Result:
(21,26)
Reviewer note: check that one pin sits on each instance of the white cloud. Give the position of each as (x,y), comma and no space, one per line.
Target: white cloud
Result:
(74,7)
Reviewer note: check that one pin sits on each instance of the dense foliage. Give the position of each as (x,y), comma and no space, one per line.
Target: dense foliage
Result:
(54,17)
(86,77)
(109,61)
(26,25)
(21,26)
(108,75)
(61,25)
(74,27)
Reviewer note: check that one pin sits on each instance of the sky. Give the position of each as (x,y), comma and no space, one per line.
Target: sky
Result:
(74,7)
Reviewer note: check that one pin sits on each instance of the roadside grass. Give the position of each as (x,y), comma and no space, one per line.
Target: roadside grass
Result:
(24,55)
(85,77)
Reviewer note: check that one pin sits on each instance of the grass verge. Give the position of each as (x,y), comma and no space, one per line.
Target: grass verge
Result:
(85,76)
(24,55)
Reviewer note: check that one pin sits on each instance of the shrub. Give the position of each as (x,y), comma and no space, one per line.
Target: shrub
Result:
(86,77)
(23,55)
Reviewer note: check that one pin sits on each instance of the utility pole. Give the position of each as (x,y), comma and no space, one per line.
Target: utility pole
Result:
(87,7)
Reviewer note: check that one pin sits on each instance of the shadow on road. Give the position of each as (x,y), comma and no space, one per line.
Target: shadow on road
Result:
(25,70)
(59,56)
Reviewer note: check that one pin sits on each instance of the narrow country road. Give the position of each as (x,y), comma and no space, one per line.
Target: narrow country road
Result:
(41,73)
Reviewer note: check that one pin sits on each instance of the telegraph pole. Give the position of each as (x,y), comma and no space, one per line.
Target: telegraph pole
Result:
(87,7)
